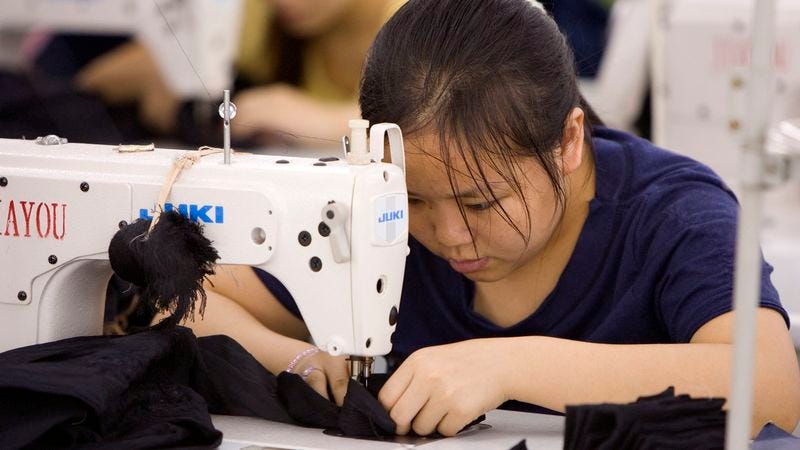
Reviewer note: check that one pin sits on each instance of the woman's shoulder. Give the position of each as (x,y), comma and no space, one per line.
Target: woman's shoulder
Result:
(633,171)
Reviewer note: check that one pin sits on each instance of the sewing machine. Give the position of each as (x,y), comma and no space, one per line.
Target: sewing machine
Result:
(334,231)
(193,42)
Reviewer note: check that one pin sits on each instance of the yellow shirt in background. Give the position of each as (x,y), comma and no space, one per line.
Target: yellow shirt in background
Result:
(257,64)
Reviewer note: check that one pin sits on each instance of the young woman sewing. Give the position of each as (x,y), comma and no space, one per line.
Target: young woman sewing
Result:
(553,261)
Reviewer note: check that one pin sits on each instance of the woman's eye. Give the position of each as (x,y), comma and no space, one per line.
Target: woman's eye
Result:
(414,201)
(480,206)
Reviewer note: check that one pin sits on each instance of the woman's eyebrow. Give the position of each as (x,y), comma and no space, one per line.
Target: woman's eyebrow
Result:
(468,193)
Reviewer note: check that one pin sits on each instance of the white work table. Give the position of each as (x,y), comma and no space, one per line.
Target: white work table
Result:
(507,429)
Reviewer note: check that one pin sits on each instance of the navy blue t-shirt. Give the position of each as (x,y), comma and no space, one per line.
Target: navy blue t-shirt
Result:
(653,262)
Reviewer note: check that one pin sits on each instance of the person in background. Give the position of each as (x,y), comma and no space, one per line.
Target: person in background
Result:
(584,23)
(297,73)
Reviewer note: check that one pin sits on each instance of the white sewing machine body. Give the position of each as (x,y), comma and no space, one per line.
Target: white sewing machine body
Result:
(193,42)
(61,204)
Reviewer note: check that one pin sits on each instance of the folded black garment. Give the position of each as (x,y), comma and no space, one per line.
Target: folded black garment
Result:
(662,421)
(133,391)
(155,389)
(152,389)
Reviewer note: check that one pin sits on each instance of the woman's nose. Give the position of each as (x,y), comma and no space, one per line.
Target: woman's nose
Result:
(450,227)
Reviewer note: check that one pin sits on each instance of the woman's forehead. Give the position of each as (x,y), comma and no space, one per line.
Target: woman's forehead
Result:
(430,172)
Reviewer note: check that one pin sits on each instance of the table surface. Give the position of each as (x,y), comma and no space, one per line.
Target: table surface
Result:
(506,429)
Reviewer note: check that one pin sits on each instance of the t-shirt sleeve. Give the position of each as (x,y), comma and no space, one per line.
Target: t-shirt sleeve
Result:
(689,241)
(279,291)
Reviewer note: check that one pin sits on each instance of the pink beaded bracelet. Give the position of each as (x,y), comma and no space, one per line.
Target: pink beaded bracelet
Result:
(308,371)
(301,355)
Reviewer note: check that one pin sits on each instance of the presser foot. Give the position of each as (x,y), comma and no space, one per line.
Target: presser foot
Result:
(361,368)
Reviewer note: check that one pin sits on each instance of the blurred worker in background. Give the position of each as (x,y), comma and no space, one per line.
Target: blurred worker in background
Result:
(297,75)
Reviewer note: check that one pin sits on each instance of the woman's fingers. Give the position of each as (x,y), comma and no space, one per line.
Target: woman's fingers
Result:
(410,403)
(427,420)
(317,380)
(338,378)
(391,391)
(452,423)
(339,388)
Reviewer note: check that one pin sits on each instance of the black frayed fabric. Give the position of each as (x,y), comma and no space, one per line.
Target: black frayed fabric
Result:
(155,389)
(168,263)
(663,421)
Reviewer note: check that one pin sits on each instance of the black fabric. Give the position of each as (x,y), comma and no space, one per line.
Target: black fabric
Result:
(124,312)
(113,392)
(65,54)
(168,263)
(155,389)
(304,404)
(663,421)
(520,446)
(360,415)
(34,105)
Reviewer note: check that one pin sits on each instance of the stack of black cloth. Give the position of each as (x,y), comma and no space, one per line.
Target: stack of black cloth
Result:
(663,421)
(155,389)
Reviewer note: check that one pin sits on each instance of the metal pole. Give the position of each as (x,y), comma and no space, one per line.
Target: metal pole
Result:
(227,127)
(747,280)
(658,18)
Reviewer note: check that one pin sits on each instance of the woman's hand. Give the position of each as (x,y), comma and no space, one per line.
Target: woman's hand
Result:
(444,388)
(321,371)
(285,115)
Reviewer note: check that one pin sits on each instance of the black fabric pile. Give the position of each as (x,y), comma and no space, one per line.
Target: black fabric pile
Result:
(663,421)
(155,389)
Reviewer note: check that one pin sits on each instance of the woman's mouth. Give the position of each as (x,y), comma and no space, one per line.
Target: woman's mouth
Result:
(468,265)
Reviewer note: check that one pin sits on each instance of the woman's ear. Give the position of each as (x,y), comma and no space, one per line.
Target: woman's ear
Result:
(571,152)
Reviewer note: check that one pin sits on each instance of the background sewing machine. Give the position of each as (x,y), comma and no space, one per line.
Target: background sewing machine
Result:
(193,42)
(333,231)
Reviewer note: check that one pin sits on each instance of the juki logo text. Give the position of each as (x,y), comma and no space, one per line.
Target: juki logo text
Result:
(390,216)
(195,213)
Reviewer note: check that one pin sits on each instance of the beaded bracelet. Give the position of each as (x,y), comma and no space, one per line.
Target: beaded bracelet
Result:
(308,371)
(301,355)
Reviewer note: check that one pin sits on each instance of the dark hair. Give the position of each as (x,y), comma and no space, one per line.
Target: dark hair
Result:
(495,77)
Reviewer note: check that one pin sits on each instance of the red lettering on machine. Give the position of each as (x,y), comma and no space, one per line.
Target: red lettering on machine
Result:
(33,219)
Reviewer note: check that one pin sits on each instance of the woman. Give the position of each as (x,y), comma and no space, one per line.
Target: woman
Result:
(553,261)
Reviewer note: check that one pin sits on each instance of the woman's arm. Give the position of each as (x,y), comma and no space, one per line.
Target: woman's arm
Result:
(569,372)
(239,306)
(287,115)
(128,74)
(445,387)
